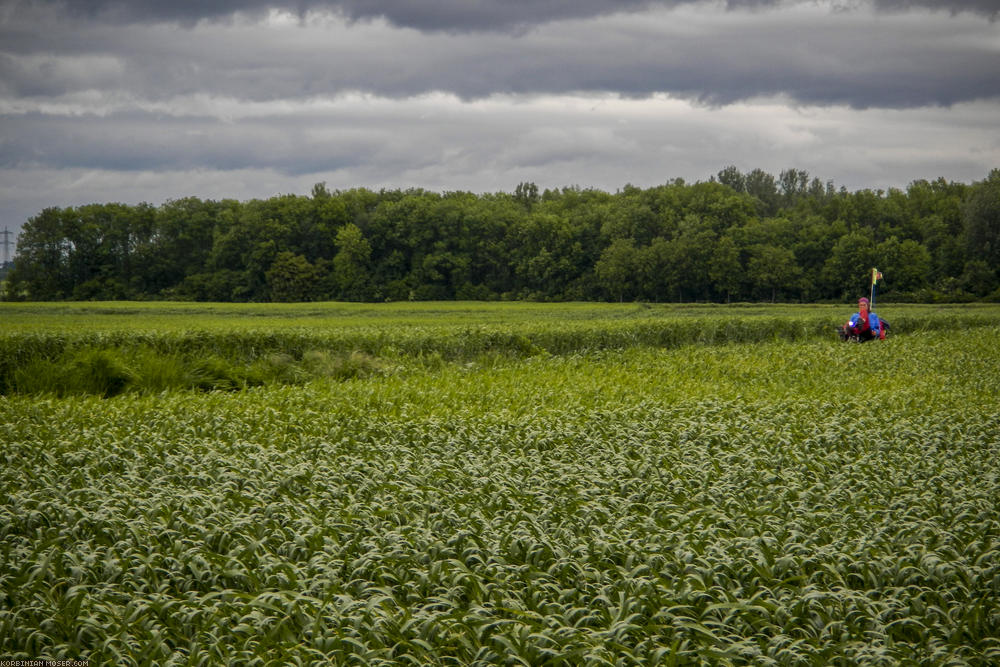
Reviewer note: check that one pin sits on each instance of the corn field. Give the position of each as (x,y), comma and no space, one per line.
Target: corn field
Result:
(780,502)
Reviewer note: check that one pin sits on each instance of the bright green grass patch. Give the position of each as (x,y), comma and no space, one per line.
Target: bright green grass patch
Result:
(776,503)
(174,316)
(181,317)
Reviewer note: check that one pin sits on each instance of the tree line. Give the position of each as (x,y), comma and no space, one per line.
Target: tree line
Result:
(736,237)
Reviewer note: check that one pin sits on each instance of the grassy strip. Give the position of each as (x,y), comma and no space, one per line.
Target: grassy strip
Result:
(107,362)
(330,318)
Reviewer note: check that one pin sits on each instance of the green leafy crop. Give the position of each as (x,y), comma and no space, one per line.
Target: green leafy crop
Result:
(790,502)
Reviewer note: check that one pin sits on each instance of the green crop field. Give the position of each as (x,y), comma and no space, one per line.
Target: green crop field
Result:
(454,484)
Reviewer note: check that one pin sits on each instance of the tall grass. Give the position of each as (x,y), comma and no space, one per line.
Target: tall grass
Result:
(108,372)
(82,371)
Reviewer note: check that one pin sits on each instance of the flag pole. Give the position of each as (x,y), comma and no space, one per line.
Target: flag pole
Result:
(875,276)
(871,289)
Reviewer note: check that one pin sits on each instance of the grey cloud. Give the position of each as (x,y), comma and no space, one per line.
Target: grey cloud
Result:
(436,15)
(487,15)
(815,58)
(507,14)
(142,141)
(395,137)
(811,55)
(468,141)
(989,8)
(445,15)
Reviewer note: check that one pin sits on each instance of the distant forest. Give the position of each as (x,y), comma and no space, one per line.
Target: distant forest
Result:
(737,237)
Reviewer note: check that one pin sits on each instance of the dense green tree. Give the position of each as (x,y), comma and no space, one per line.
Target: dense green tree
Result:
(291,278)
(105,239)
(351,263)
(489,218)
(771,268)
(690,257)
(185,235)
(725,269)
(793,184)
(762,187)
(981,214)
(978,278)
(616,269)
(812,245)
(526,194)
(907,263)
(731,177)
(847,272)
(546,253)
(653,270)
(735,236)
(219,285)
(629,217)
(41,267)
(715,206)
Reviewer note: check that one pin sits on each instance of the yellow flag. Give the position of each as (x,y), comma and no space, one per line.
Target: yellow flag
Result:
(876,276)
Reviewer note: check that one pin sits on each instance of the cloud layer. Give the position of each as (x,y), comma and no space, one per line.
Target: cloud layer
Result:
(809,52)
(245,97)
(453,15)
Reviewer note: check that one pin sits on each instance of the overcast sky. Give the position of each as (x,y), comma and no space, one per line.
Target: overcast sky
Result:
(130,101)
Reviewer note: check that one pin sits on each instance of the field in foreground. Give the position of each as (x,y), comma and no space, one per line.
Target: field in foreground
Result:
(794,501)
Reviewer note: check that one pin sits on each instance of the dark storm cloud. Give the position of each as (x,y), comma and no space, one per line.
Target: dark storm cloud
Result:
(448,15)
(809,55)
(506,14)
(434,15)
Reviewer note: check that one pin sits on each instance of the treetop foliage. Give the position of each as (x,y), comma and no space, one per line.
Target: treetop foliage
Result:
(739,236)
